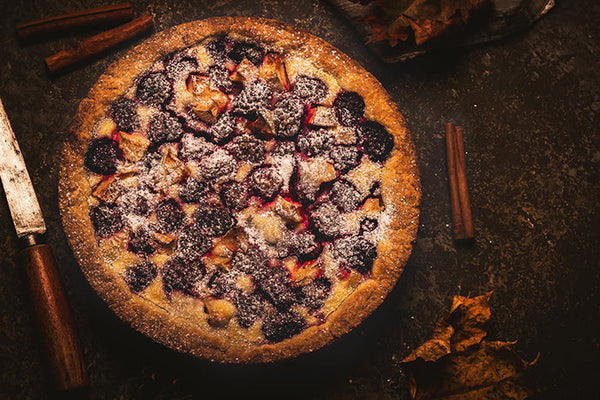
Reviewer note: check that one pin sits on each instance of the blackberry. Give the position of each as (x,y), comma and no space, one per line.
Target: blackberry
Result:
(282,326)
(218,164)
(326,220)
(283,149)
(288,115)
(192,243)
(169,215)
(234,194)
(152,159)
(344,158)
(218,49)
(221,283)
(177,65)
(355,252)
(140,206)
(180,275)
(266,182)
(140,276)
(253,52)
(154,89)
(247,148)
(222,130)
(195,148)
(252,262)
(304,246)
(193,190)
(251,99)
(315,293)
(345,196)
(219,77)
(274,284)
(214,220)
(349,108)
(311,89)
(313,143)
(124,113)
(368,225)
(141,242)
(164,127)
(106,219)
(249,307)
(375,140)
(102,155)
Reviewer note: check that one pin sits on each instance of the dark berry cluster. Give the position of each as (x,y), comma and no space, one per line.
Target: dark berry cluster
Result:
(282,325)
(375,140)
(107,219)
(326,220)
(219,76)
(234,194)
(141,242)
(345,195)
(266,182)
(124,113)
(181,275)
(315,293)
(260,118)
(213,220)
(314,143)
(288,114)
(349,108)
(249,307)
(222,130)
(140,276)
(355,252)
(216,165)
(247,148)
(308,88)
(102,155)
(170,216)
(164,127)
(254,97)
(154,89)
(193,243)
(223,48)
(177,65)
(193,190)
(344,157)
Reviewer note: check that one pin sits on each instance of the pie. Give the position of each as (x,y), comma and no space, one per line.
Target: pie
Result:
(239,190)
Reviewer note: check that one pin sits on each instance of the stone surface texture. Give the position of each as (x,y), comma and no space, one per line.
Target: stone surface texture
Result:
(530,107)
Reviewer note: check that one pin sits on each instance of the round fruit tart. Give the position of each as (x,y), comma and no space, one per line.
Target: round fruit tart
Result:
(240,190)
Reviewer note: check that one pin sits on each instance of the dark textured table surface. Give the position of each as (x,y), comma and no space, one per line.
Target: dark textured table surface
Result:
(530,105)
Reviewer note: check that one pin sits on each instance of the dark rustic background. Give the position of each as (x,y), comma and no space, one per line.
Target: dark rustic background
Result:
(530,105)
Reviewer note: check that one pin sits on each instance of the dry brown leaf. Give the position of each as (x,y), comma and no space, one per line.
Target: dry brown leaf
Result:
(457,364)
(394,20)
(460,328)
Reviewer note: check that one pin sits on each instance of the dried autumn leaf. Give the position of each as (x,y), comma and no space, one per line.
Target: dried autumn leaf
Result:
(490,370)
(460,328)
(457,364)
(393,20)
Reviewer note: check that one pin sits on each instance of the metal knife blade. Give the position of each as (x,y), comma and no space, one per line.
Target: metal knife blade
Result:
(50,305)
(22,201)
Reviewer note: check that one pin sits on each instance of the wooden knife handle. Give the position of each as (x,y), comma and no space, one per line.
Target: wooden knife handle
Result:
(54,318)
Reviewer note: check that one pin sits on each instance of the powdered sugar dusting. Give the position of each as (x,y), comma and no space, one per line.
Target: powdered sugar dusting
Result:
(248,190)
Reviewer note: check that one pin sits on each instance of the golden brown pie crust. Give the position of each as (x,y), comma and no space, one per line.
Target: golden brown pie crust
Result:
(400,191)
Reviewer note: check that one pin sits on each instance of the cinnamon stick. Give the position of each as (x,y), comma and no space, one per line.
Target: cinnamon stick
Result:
(462,220)
(457,224)
(97,44)
(83,18)
(463,189)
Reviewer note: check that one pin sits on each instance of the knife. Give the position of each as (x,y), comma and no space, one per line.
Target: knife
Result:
(49,301)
